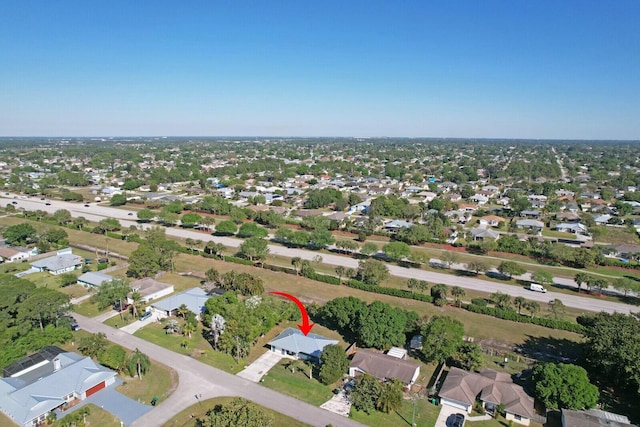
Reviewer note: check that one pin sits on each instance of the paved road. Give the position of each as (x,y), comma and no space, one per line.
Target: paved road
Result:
(585,303)
(196,378)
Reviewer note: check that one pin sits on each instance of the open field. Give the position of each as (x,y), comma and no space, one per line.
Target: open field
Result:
(188,417)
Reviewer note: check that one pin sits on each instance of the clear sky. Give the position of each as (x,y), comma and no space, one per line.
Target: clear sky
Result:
(481,68)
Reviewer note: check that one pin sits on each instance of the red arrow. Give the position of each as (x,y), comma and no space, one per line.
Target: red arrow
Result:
(306,326)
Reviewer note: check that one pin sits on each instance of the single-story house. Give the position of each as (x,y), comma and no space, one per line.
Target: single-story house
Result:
(461,389)
(384,367)
(151,289)
(575,228)
(602,219)
(48,380)
(492,220)
(530,213)
(395,225)
(531,224)
(484,234)
(193,298)
(94,279)
(13,254)
(292,342)
(593,418)
(63,262)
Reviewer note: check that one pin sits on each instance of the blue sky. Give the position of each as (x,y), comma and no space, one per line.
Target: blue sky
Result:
(503,69)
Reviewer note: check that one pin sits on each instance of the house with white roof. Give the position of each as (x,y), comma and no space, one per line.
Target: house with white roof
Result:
(63,262)
(193,298)
(292,342)
(48,380)
(94,279)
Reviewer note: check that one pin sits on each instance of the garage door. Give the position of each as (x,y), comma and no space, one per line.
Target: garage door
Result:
(454,404)
(96,388)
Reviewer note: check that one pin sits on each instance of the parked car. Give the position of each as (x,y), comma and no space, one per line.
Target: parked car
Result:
(146,315)
(456,420)
(117,306)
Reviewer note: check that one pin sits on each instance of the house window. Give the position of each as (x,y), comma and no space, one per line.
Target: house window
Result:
(517,417)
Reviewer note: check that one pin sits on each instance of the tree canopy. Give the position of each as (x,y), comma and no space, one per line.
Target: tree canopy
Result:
(441,338)
(560,385)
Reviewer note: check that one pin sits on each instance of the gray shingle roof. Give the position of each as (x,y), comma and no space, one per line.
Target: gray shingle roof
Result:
(193,298)
(383,366)
(95,278)
(58,262)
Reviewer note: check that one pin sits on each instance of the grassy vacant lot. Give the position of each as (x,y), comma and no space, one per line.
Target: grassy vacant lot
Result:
(189,416)
(426,415)
(160,381)
(197,347)
(297,384)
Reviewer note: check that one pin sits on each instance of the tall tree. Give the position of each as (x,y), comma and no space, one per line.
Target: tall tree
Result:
(441,338)
(372,271)
(333,364)
(43,306)
(567,386)
(139,364)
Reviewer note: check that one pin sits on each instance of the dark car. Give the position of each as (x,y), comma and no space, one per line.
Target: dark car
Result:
(74,326)
(117,306)
(48,203)
(456,420)
(86,206)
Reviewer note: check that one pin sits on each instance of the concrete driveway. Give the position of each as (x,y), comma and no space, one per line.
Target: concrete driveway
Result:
(339,404)
(445,412)
(116,403)
(261,366)
(138,324)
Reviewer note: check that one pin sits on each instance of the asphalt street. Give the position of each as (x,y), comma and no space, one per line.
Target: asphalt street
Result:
(96,213)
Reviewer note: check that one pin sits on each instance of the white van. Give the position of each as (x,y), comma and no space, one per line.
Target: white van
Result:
(537,288)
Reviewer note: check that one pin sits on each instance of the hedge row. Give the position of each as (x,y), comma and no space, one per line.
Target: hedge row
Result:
(238,260)
(514,316)
(402,293)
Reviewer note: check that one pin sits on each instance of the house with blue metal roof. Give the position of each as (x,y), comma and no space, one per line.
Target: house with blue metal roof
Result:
(292,342)
(54,380)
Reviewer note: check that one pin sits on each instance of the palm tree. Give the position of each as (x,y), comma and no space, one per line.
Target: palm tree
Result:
(296,262)
(519,302)
(188,329)
(532,307)
(580,279)
(182,311)
(139,363)
(136,299)
(340,271)
(457,293)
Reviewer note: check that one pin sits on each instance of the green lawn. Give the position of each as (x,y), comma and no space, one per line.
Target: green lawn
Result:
(188,417)
(197,347)
(89,308)
(297,385)
(97,417)
(118,322)
(160,381)
(425,415)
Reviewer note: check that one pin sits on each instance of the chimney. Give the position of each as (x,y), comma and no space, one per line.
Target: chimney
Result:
(56,364)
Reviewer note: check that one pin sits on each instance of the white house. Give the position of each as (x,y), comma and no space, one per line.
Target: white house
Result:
(63,262)
(13,254)
(94,279)
(151,289)
(292,342)
(48,380)
(193,298)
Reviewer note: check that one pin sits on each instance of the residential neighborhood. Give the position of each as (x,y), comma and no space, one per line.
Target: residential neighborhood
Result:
(436,291)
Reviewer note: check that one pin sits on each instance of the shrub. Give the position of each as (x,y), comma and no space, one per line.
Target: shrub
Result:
(479,302)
